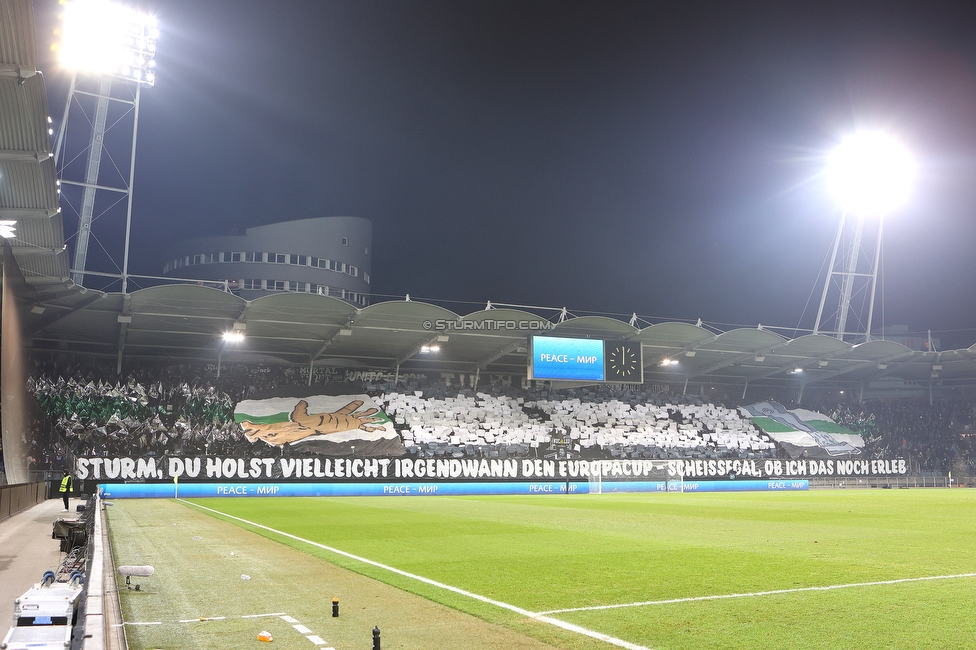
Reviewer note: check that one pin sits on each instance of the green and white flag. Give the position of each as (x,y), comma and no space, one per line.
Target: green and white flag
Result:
(801,431)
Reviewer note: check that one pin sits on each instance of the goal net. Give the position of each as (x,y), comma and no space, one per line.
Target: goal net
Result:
(628,475)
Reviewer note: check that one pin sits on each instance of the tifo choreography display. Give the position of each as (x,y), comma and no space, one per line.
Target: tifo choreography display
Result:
(334,426)
(271,428)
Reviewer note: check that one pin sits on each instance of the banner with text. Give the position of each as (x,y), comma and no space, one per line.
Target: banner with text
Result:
(356,469)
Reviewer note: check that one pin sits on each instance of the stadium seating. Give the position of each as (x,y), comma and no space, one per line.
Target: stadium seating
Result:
(160,412)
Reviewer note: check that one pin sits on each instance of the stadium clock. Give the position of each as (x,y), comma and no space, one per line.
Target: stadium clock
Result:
(624,362)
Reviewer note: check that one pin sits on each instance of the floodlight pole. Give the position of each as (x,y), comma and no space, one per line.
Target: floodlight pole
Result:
(830,268)
(845,267)
(90,183)
(874,279)
(132,176)
(111,46)
(91,178)
(64,120)
(847,278)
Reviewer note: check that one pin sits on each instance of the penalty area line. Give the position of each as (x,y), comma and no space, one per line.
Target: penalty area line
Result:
(538,616)
(755,594)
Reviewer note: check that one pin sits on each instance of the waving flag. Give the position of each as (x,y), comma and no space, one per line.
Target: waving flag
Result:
(803,432)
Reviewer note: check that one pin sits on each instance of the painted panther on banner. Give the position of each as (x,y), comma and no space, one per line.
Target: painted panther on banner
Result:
(346,425)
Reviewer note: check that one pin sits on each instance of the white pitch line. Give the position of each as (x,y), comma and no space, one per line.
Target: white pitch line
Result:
(457,590)
(301,629)
(755,594)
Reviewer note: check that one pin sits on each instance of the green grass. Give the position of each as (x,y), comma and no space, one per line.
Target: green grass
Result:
(544,553)
(199,562)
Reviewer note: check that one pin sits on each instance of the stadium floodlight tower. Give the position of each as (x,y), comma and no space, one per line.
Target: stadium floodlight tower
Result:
(870,174)
(110,50)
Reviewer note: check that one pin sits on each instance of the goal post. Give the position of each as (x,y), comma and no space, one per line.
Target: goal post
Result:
(596,484)
(605,476)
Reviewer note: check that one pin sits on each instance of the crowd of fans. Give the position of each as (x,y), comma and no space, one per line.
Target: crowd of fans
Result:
(936,437)
(98,418)
(593,422)
(188,411)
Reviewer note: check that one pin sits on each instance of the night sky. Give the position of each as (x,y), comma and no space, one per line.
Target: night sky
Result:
(609,157)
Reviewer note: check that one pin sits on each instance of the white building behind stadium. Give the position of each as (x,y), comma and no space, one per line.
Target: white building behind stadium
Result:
(329,256)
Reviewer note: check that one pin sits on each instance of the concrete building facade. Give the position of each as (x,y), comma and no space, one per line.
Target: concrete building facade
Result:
(329,256)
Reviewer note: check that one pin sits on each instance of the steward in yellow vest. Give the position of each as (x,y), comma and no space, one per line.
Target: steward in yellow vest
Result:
(65,489)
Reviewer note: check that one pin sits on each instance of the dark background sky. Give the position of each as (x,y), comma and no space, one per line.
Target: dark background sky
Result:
(613,157)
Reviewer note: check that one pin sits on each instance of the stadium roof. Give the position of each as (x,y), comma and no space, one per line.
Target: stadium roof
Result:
(187,322)
(28,181)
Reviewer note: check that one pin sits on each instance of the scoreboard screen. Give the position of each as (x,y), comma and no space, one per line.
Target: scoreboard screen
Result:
(594,360)
(572,359)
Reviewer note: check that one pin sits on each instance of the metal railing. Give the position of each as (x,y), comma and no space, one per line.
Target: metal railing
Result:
(21,496)
(886,482)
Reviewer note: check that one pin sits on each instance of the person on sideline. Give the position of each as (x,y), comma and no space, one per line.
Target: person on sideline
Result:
(65,489)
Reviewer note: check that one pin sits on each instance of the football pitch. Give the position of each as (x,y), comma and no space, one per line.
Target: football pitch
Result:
(818,569)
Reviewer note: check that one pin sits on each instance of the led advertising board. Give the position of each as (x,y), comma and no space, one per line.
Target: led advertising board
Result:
(586,360)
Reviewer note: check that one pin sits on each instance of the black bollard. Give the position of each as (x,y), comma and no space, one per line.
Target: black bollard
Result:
(335,607)
(376,638)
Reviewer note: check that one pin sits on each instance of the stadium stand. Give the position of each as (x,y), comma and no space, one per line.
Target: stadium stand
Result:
(186,410)
(83,415)
(78,417)
(647,425)
(937,436)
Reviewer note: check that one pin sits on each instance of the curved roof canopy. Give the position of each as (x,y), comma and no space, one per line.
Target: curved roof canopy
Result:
(187,322)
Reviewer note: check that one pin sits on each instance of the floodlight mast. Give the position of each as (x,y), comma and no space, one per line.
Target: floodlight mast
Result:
(871,174)
(114,46)
(852,275)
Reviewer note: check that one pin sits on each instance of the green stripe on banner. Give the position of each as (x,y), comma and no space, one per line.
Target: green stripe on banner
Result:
(770,425)
(829,427)
(261,419)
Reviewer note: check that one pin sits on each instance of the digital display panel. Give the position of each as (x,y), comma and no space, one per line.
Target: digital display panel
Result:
(568,359)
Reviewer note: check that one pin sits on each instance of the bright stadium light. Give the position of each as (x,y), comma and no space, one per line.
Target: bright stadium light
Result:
(104,38)
(235,336)
(111,51)
(870,173)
